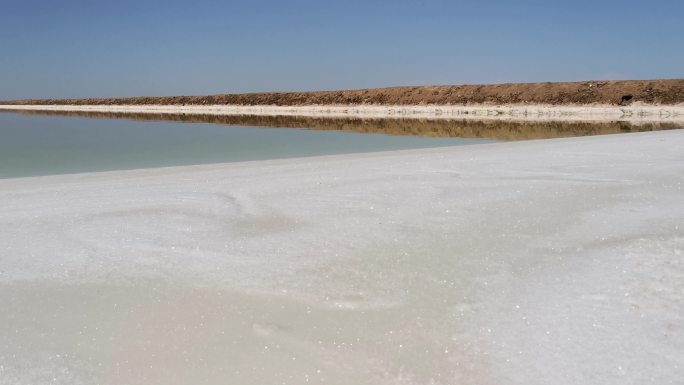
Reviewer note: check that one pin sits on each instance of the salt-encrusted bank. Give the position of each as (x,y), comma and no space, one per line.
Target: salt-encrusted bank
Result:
(541,262)
(631,113)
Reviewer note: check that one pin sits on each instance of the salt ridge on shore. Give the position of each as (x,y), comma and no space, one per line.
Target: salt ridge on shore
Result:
(540,262)
(632,113)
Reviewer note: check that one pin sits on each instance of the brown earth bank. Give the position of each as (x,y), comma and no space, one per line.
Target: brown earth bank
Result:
(661,92)
(485,129)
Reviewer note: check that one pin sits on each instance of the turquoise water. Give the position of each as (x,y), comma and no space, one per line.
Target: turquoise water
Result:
(32,145)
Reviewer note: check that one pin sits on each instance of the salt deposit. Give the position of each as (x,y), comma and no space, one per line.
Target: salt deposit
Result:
(634,113)
(542,262)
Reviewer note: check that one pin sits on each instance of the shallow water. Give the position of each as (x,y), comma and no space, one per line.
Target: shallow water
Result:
(32,145)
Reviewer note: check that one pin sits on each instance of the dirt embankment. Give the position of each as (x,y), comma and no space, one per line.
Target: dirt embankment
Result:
(665,92)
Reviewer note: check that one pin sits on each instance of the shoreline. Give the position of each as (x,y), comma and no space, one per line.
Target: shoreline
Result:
(311,162)
(634,113)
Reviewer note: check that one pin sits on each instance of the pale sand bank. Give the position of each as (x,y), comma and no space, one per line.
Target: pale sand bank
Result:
(631,113)
(542,262)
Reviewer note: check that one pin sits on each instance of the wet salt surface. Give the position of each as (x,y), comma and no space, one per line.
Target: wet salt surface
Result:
(556,261)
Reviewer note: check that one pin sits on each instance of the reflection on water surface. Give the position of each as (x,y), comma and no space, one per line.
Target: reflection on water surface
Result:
(486,129)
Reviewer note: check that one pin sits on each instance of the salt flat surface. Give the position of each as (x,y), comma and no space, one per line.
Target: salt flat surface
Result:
(634,113)
(542,262)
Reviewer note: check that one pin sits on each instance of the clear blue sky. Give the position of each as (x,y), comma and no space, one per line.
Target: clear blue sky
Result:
(81,48)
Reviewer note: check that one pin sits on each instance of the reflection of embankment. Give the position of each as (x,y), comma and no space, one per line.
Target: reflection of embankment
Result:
(490,129)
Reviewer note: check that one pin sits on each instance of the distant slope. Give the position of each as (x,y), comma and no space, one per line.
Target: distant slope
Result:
(666,92)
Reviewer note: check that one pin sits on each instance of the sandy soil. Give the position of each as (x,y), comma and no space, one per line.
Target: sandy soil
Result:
(664,92)
(537,262)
